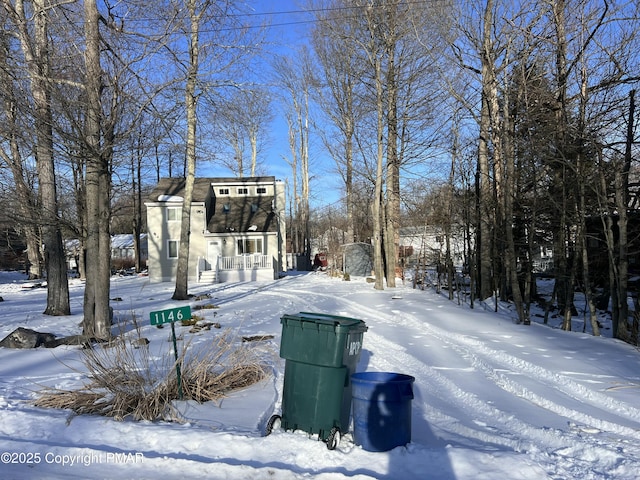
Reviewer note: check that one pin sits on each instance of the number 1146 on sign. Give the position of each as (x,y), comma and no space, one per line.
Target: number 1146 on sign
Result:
(171,315)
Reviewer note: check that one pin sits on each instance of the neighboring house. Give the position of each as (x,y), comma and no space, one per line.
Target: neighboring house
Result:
(122,250)
(237,229)
(329,241)
(428,244)
(542,258)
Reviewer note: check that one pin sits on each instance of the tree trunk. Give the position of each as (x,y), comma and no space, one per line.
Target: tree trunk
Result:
(581,233)
(79,181)
(253,141)
(337,53)
(293,197)
(559,191)
(510,248)
(137,214)
(485,275)
(348,181)
(191,99)
(571,280)
(97,319)
(376,205)
(304,173)
(25,198)
(622,204)
(392,214)
(38,62)
(607,228)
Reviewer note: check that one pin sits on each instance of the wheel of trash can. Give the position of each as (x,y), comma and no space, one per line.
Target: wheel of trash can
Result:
(274,423)
(333,440)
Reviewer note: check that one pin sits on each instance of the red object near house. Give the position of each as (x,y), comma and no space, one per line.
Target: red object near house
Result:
(320,261)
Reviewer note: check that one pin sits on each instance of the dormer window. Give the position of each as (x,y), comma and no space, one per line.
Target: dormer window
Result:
(243,191)
(261,190)
(223,191)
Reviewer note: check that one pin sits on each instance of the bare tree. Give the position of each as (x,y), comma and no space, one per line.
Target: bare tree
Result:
(375,43)
(191,102)
(35,49)
(242,119)
(97,321)
(341,69)
(206,70)
(622,205)
(295,79)
(26,212)
(374,54)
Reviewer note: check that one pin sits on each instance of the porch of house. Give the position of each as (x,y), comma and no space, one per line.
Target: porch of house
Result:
(240,268)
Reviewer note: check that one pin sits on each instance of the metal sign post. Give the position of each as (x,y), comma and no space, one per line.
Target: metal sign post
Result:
(170,316)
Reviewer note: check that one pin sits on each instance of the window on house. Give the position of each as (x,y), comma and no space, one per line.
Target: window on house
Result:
(226,208)
(172,248)
(260,190)
(223,191)
(243,191)
(173,214)
(248,246)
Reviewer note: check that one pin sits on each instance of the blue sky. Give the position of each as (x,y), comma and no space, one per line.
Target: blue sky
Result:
(287,31)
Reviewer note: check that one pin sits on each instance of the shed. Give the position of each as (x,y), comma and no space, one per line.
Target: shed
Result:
(357,259)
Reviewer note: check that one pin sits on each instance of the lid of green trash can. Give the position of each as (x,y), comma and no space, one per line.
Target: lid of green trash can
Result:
(334,321)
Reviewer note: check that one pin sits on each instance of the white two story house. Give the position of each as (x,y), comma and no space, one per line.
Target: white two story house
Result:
(237,229)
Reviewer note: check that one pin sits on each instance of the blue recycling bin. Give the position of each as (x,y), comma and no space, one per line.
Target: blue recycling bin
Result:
(381,410)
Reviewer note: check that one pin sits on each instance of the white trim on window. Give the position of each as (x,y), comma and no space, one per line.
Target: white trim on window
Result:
(250,246)
(174,214)
(173,247)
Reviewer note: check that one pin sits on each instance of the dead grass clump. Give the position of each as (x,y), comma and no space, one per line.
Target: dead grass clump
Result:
(125,382)
(83,402)
(206,306)
(225,366)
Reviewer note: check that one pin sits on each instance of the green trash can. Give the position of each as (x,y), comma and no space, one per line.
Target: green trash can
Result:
(321,353)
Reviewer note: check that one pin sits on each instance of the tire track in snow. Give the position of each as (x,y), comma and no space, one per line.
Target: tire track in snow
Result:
(576,448)
(476,351)
(404,361)
(481,357)
(441,384)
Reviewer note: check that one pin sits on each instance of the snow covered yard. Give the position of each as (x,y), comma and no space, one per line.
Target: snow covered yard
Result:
(492,399)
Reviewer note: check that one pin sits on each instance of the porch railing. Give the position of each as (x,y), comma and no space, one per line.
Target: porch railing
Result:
(245,262)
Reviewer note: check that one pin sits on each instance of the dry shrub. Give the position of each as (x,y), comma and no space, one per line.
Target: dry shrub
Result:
(206,306)
(224,367)
(125,382)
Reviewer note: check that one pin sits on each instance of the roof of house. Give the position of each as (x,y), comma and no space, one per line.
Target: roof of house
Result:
(124,240)
(227,213)
(174,187)
(242,214)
